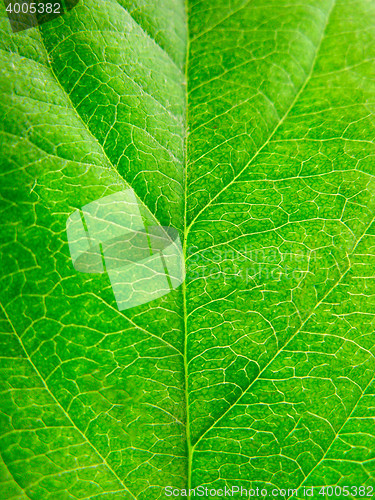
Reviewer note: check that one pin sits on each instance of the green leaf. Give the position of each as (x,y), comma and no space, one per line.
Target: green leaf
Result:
(248,127)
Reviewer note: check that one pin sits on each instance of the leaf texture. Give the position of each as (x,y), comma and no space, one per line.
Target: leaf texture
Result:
(249,127)
(281,362)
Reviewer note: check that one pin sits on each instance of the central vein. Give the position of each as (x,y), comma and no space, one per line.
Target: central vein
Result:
(186,374)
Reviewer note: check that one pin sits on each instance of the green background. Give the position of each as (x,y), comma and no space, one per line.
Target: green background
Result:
(249,127)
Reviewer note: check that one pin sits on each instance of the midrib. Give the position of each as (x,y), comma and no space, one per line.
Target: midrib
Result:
(185,333)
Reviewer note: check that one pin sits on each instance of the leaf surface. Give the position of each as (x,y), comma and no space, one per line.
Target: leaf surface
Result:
(251,132)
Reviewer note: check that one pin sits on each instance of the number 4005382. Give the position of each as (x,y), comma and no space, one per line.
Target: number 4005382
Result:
(25,14)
